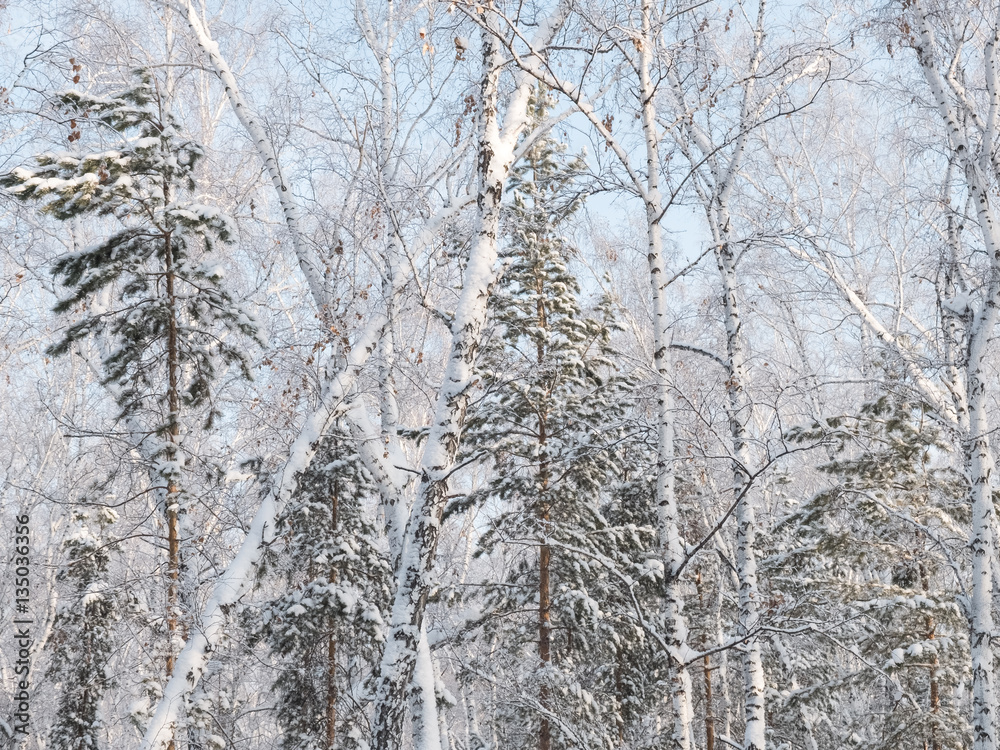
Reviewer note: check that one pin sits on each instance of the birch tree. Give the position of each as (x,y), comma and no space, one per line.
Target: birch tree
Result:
(715,153)
(957,391)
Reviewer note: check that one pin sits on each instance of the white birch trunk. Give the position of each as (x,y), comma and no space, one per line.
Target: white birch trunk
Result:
(268,155)
(716,197)
(746,523)
(979,458)
(666,499)
(423,701)
(420,542)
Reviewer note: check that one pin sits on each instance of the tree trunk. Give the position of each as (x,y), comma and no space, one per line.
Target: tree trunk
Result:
(544,613)
(666,500)
(979,460)
(980,469)
(746,557)
(422,533)
(934,698)
(707,667)
(331,645)
(173,499)
(544,549)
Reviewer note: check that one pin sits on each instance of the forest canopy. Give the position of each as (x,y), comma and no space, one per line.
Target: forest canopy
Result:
(490,375)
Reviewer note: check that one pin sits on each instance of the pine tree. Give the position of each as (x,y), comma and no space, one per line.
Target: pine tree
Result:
(83,633)
(149,291)
(875,552)
(548,415)
(327,627)
(149,288)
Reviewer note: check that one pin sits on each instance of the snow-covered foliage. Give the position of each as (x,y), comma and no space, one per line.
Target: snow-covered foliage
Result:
(83,641)
(327,628)
(879,546)
(624,375)
(550,421)
(152,274)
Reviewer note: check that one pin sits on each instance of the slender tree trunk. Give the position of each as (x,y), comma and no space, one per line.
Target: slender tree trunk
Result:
(422,533)
(976,162)
(172,507)
(331,644)
(707,667)
(934,699)
(709,714)
(666,500)
(544,606)
(173,499)
(544,549)
(717,210)
(746,523)
(980,467)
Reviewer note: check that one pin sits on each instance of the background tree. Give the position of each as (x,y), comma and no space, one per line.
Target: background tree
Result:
(328,625)
(84,633)
(879,550)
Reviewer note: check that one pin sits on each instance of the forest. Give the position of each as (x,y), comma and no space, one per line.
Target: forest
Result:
(499,374)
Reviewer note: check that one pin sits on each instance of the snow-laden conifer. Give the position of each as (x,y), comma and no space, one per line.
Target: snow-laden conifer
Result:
(83,639)
(150,293)
(549,417)
(327,627)
(154,276)
(875,557)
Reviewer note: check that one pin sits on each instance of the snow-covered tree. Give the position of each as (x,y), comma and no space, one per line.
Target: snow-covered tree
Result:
(876,556)
(298,552)
(150,292)
(548,417)
(151,288)
(83,641)
(327,627)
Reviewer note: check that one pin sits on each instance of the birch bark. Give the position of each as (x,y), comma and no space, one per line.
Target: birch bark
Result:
(666,500)
(422,532)
(976,445)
